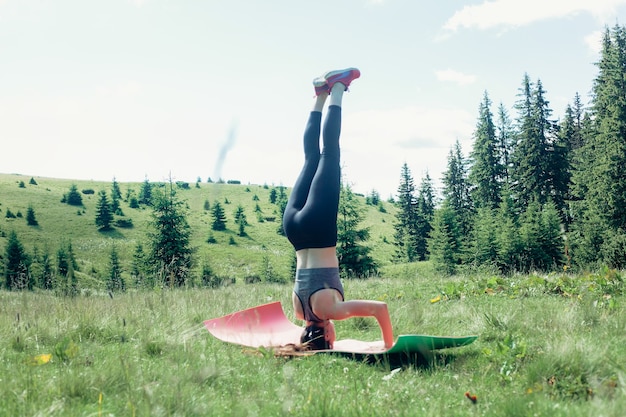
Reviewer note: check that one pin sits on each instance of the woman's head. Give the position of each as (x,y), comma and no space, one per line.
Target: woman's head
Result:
(314,338)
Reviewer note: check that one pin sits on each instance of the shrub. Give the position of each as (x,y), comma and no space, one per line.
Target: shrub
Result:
(252,279)
(124,223)
(209,279)
(88,191)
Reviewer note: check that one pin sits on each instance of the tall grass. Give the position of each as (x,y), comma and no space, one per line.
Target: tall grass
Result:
(540,352)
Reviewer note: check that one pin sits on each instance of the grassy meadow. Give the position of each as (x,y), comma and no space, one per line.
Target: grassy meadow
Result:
(549,345)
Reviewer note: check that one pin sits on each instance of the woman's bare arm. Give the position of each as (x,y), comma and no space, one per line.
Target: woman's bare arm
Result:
(327,305)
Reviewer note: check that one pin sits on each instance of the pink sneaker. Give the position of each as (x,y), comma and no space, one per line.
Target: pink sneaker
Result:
(344,76)
(321,86)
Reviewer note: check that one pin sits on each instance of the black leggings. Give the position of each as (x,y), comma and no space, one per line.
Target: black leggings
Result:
(310,218)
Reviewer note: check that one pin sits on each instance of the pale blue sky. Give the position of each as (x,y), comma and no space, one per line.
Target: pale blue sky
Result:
(136,88)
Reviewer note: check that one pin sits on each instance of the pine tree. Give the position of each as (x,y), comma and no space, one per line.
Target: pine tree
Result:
(46,277)
(425,214)
(31,220)
(373,198)
(353,255)
(73,197)
(614,251)
(281,204)
(569,139)
(445,241)
(551,238)
(577,115)
(139,268)
(599,184)
(508,242)
(41,269)
(240,220)
(145,193)
(485,235)
(530,235)
(71,256)
(115,281)
(601,176)
(63,262)
(456,190)
(104,214)
(116,196)
(171,254)
(16,265)
(219,217)
(406,218)
(486,171)
(66,266)
(532,170)
(505,137)
(282,193)
(71,285)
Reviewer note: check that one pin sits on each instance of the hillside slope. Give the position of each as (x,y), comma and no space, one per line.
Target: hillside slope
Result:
(231,256)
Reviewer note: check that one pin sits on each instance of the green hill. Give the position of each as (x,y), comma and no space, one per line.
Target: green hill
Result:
(231,256)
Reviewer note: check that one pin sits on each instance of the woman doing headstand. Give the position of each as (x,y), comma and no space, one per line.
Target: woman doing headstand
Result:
(310,223)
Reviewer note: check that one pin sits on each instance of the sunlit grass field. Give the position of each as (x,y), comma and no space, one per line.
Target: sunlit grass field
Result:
(548,346)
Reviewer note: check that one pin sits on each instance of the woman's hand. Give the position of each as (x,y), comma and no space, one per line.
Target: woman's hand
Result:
(329,332)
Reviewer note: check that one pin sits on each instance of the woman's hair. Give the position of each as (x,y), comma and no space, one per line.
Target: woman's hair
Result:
(285,351)
(314,337)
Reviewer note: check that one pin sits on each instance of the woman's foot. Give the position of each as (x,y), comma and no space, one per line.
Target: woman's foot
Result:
(321,86)
(343,76)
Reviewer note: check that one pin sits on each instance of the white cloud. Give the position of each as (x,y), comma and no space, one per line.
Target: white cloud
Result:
(515,13)
(375,144)
(455,76)
(594,41)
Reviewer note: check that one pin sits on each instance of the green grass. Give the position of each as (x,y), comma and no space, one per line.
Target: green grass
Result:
(548,346)
(60,223)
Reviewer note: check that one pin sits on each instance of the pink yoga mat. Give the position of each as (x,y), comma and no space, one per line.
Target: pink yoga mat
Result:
(267,326)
